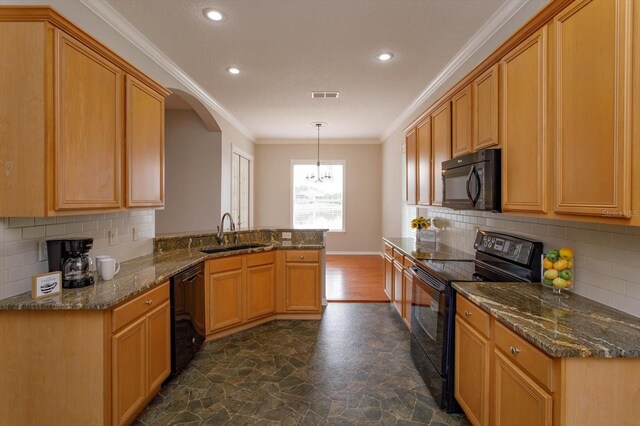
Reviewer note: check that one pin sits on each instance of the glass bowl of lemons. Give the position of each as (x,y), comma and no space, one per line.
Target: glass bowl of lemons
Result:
(557,269)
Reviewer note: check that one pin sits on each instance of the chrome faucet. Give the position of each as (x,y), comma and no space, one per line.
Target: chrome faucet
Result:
(220,236)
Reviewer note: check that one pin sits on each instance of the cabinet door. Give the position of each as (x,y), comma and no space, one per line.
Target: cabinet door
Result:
(461,122)
(518,400)
(592,83)
(261,293)
(524,116)
(408,295)
(423,131)
(472,357)
(398,286)
(129,371)
(388,276)
(225,299)
(441,148)
(303,287)
(410,156)
(159,345)
(88,139)
(144,145)
(485,109)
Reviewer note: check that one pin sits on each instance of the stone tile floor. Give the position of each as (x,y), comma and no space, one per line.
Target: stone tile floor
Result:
(353,367)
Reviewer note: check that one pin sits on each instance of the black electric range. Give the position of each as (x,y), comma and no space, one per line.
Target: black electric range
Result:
(498,257)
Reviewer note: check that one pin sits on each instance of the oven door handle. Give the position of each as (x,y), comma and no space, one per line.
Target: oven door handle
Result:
(415,269)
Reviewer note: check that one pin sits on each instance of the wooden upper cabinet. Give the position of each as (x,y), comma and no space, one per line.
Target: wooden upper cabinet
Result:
(423,175)
(485,109)
(410,156)
(523,120)
(144,145)
(88,115)
(440,148)
(462,122)
(592,107)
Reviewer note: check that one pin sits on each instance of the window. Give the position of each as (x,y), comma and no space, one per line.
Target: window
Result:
(318,205)
(240,189)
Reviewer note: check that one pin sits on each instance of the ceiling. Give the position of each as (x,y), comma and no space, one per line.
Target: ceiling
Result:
(287,48)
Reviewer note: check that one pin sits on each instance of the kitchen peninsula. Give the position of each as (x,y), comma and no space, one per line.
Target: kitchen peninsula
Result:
(106,346)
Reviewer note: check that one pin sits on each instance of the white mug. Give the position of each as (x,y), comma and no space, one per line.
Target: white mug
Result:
(98,260)
(109,268)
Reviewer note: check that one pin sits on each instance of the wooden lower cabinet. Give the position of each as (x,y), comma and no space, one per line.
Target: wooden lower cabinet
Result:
(225,299)
(398,286)
(388,276)
(141,355)
(129,357)
(518,399)
(407,297)
(261,293)
(303,287)
(472,372)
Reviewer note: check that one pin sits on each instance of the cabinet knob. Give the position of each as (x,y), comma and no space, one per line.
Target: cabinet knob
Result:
(467,313)
(149,302)
(514,350)
(302,257)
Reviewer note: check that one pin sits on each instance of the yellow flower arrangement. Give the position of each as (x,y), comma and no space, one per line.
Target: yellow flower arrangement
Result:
(420,223)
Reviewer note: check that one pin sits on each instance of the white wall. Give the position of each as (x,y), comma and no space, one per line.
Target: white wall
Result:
(193,164)
(362,194)
(19,239)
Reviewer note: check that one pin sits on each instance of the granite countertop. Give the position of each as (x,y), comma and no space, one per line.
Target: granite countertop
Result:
(427,251)
(135,276)
(565,325)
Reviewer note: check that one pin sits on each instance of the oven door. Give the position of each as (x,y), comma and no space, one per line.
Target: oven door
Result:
(428,317)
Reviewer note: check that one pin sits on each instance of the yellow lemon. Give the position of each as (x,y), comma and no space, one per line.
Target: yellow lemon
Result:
(560,283)
(551,274)
(566,253)
(570,264)
(547,264)
(560,265)
(569,283)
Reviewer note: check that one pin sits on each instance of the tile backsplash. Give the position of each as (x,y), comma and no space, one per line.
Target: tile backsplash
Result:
(607,257)
(19,238)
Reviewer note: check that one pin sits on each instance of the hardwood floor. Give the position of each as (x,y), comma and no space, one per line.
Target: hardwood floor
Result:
(355,278)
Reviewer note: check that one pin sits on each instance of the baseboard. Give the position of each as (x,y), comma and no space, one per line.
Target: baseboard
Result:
(356,253)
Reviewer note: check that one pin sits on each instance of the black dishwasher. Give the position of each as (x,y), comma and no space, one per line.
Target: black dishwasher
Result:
(187,317)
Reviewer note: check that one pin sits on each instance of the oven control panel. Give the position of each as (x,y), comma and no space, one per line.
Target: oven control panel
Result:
(504,246)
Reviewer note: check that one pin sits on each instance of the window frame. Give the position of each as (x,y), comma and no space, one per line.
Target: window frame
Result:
(342,163)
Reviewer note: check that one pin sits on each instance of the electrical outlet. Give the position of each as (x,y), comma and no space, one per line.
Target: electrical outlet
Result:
(286,235)
(113,233)
(135,235)
(42,251)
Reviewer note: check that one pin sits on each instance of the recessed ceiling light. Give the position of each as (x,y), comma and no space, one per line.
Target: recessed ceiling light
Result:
(384,57)
(233,70)
(214,15)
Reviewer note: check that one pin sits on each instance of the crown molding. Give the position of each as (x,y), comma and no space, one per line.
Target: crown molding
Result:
(482,36)
(116,21)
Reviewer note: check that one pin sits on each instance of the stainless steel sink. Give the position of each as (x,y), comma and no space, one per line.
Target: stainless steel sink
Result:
(234,247)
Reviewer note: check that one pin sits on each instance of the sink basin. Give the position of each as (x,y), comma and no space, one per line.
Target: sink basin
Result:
(223,249)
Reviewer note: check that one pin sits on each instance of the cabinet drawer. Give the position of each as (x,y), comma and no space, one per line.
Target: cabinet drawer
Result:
(408,263)
(473,315)
(260,259)
(533,361)
(398,256)
(302,256)
(224,264)
(388,249)
(140,305)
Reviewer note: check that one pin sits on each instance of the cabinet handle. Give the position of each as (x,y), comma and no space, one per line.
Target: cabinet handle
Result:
(467,314)
(301,257)
(514,350)
(149,302)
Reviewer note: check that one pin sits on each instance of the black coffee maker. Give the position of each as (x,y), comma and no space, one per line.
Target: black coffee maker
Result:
(71,257)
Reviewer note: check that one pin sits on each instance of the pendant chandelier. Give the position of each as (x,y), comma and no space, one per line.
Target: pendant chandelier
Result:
(317,177)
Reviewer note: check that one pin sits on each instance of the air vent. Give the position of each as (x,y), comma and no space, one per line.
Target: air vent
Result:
(324,95)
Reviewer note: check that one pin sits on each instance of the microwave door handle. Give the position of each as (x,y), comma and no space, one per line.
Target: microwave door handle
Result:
(469,185)
(475,173)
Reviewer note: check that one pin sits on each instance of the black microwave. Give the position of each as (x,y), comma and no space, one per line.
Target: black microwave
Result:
(472,182)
